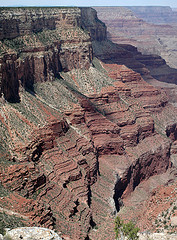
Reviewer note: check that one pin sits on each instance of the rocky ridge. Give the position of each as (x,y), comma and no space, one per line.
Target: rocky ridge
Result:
(158,14)
(82,135)
(133,25)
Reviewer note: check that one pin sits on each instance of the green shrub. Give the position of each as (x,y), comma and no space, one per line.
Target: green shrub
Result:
(125,230)
(166,226)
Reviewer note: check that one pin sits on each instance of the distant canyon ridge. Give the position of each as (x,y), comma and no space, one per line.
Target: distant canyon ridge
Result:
(153,30)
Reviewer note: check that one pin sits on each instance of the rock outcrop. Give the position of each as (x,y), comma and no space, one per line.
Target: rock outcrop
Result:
(32,233)
(47,41)
(43,43)
(79,134)
(21,21)
(91,23)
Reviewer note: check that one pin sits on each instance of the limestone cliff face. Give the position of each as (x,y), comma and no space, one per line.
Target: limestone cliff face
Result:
(20,21)
(91,23)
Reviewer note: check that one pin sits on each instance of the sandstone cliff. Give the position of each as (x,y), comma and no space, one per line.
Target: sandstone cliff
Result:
(80,131)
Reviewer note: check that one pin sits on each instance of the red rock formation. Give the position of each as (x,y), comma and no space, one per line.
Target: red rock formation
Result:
(42,65)
(73,166)
(60,178)
(41,57)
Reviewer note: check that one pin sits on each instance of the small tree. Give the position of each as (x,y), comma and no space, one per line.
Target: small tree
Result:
(125,230)
(118,227)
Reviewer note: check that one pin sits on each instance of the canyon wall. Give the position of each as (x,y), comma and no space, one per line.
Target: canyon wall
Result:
(93,25)
(80,128)
(37,53)
(50,38)
(129,26)
(15,22)
(155,14)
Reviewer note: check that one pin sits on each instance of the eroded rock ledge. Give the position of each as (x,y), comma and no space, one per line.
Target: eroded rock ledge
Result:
(44,42)
(85,135)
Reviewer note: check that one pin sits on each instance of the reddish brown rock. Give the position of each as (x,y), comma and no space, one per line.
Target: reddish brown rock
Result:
(80,154)
(40,66)
(107,137)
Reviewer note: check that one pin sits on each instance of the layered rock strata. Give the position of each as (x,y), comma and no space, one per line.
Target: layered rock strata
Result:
(130,25)
(85,134)
(156,14)
(15,22)
(43,43)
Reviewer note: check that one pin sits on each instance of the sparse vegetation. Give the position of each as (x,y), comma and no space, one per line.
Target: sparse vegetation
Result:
(15,43)
(163,220)
(3,192)
(125,230)
(9,221)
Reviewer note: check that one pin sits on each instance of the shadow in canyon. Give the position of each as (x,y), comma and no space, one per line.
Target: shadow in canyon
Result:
(146,65)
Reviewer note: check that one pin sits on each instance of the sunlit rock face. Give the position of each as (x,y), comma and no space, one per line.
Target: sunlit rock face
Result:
(81,131)
(32,233)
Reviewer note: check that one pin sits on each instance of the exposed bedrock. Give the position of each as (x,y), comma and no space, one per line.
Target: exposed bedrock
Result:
(129,26)
(34,68)
(21,21)
(171,131)
(62,161)
(57,43)
(91,23)
(40,65)
(146,165)
(69,138)
(57,168)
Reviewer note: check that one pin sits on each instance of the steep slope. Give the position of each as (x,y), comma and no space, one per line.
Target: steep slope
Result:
(156,42)
(80,131)
(151,29)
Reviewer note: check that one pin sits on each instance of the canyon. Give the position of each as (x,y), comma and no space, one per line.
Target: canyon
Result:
(151,29)
(84,134)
